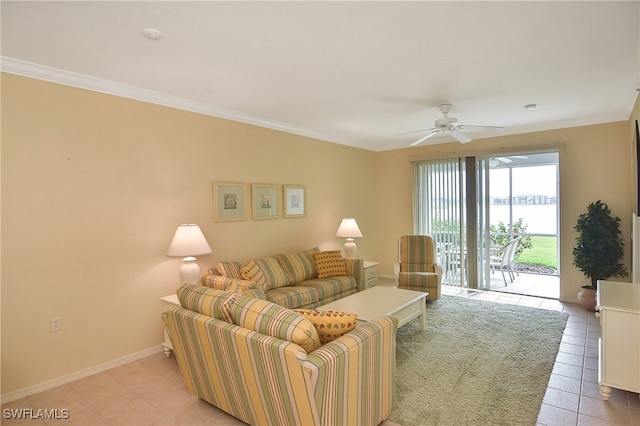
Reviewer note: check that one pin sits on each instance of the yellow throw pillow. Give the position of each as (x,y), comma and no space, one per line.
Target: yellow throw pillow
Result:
(330,264)
(329,324)
(251,272)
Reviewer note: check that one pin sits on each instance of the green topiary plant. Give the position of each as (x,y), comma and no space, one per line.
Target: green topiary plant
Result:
(499,235)
(599,246)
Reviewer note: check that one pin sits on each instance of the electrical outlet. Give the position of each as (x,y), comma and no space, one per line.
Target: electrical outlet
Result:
(56,324)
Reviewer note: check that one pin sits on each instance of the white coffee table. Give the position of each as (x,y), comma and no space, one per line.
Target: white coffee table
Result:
(404,305)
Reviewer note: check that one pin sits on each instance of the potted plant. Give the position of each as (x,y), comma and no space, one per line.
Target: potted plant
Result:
(598,250)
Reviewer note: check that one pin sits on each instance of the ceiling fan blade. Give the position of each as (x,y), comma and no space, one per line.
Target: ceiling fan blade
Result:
(416,131)
(459,136)
(504,160)
(463,126)
(424,138)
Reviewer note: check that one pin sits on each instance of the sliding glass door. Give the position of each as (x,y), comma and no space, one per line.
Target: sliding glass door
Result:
(471,206)
(520,203)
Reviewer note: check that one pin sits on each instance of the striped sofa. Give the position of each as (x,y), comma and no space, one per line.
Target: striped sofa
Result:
(291,279)
(263,364)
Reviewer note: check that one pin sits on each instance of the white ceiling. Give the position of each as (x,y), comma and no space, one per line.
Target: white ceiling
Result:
(355,73)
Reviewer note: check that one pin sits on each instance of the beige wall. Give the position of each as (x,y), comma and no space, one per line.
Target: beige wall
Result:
(93,187)
(594,164)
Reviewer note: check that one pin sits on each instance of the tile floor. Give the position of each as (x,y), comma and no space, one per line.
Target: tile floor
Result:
(572,396)
(150,391)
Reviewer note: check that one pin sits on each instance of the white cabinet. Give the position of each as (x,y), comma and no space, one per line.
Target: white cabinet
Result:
(370,274)
(618,306)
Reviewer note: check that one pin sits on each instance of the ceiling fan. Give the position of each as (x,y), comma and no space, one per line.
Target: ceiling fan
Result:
(494,161)
(449,125)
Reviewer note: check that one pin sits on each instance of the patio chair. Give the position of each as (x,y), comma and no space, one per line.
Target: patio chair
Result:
(504,259)
(417,268)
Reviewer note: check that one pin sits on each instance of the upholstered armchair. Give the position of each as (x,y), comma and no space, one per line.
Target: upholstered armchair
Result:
(417,268)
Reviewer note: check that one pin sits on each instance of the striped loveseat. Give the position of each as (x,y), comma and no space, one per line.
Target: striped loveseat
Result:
(263,364)
(303,279)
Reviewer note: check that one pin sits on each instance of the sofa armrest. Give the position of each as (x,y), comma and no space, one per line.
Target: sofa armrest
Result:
(438,270)
(255,377)
(341,380)
(355,268)
(244,287)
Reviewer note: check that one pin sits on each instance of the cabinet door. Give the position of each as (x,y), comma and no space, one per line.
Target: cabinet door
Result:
(620,351)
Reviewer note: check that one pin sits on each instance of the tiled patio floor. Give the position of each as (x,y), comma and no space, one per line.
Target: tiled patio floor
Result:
(527,284)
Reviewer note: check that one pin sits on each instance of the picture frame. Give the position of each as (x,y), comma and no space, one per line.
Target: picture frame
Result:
(229,201)
(265,201)
(295,201)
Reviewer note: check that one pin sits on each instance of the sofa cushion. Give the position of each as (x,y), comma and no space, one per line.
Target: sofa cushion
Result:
(274,320)
(299,266)
(330,263)
(329,324)
(266,272)
(331,286)
(206,301)
(230,269)
(297,296)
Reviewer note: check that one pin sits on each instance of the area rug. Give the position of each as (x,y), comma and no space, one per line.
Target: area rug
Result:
(478,363)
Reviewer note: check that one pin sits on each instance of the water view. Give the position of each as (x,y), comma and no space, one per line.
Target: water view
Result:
(539,218)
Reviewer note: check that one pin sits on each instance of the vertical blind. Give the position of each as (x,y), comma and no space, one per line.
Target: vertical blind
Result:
(439,199)
(439,211)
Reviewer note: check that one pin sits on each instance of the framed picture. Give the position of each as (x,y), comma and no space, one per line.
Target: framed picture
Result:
(295,201)
(229,201)
(264,198)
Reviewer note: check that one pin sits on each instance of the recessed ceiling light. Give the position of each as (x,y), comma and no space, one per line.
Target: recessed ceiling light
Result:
(529,107)
(152,34)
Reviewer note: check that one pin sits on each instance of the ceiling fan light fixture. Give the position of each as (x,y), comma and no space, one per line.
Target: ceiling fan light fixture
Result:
(449,125)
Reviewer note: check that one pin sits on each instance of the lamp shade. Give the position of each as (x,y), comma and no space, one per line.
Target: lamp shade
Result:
(188,241)
(348,229)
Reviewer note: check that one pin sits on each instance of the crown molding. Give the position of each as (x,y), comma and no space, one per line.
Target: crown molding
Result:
(81,81)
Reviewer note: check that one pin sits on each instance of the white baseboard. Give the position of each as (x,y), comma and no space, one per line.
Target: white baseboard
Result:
(50,384)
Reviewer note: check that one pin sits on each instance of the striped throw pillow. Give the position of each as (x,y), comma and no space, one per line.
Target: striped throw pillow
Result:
(299,266)
(330,264)
(230,269)
(274,320)
(207,301)
(266,272)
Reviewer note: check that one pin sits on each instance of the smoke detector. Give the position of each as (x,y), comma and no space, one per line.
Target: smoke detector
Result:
(152,34)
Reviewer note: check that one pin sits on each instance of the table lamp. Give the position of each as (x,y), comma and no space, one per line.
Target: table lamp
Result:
(349,229)
(189,241)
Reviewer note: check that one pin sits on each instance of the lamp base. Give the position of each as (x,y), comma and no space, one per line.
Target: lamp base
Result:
(189,271)
(350,248)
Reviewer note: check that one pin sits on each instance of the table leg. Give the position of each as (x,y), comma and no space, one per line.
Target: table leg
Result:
(423,315)
(167,351)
